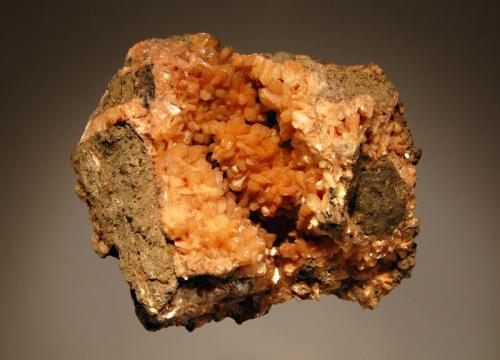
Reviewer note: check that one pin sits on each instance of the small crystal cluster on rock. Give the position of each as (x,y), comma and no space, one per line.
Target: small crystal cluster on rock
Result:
(225,183)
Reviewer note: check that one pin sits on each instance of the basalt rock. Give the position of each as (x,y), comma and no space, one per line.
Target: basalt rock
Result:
(225,183)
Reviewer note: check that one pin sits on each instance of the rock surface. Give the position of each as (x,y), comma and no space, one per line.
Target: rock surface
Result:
(226,183)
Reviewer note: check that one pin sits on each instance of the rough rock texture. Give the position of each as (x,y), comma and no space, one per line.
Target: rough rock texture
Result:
(379,198)
(226,183)
(115,178)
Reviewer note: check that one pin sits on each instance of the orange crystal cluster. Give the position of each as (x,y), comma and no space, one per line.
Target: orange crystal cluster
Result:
(260,161)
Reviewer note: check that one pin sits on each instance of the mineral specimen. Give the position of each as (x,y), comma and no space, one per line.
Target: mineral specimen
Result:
(227,182)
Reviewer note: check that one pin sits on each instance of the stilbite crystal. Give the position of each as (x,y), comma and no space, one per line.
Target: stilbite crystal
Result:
(228,182)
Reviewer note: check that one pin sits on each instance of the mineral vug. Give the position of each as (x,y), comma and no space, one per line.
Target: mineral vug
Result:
(225,183)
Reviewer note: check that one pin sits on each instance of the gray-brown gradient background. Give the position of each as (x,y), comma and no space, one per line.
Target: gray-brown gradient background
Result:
(58,300)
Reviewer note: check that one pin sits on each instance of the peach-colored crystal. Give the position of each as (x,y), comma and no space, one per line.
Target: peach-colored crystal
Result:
(256,160)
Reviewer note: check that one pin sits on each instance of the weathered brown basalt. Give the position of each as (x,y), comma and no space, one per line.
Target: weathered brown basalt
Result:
(116,180)
(379,198)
